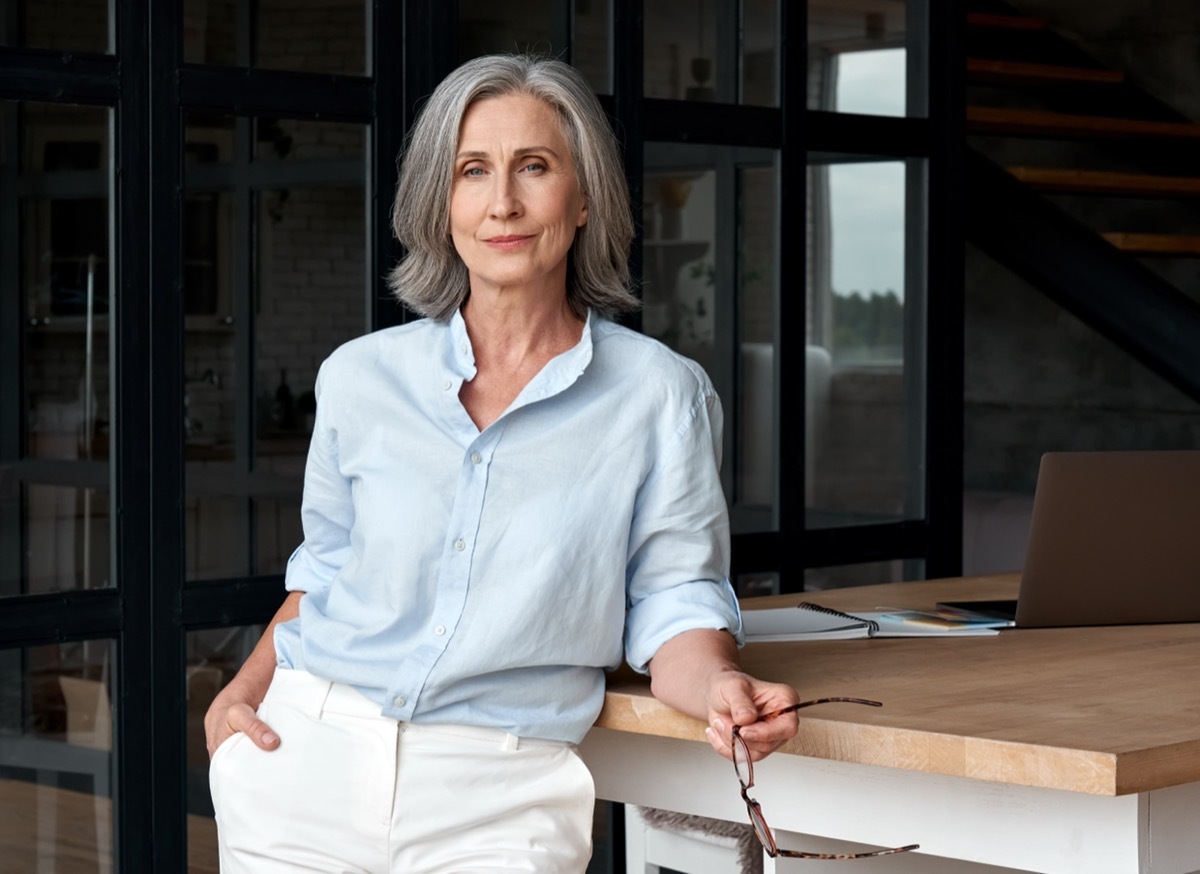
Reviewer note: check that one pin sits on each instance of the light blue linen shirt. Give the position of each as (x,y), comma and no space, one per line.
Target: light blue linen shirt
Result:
(489,578)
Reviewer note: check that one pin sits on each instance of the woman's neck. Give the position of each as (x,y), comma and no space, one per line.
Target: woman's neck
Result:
(512,344)
(508,332)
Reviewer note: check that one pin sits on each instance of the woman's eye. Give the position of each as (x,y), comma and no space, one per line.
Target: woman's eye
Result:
(472,171)
(534,166)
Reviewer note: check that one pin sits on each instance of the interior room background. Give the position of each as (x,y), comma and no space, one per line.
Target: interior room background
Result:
(194,202)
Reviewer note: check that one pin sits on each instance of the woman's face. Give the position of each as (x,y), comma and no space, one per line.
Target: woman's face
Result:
(516,201)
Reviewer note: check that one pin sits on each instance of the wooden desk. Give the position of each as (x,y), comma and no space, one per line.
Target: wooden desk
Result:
(1052,750)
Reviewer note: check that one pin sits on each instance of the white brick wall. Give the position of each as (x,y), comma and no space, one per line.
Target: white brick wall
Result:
(313,284)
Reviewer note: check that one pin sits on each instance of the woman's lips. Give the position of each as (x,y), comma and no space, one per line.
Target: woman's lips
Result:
(508,241)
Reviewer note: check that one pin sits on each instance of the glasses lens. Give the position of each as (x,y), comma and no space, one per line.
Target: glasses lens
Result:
(761,831)
(741,761)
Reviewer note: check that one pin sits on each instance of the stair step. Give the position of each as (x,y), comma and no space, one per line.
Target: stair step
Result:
(1004,22)
(988,70)
(1155,244)
(1055,181)
(1040,123)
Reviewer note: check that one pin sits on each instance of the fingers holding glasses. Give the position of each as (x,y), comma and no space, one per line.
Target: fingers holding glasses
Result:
(723,740)
(775,723)
(738,699)
(760,739)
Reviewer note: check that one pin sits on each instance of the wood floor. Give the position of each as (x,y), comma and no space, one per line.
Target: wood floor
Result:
(45,829)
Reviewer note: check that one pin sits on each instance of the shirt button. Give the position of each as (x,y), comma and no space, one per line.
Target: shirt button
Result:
(463,348)
(476,458)
(399,702)
(460,544)
(446,385)
(440,630)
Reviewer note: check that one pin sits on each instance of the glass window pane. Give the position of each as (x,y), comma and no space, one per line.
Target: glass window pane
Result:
(489,26)
(277,525)
(681,46)
(56,741)
(67,536)
(708,286)
(857,58)
(756,448)
(760,52)
(55,486)
(326,37)
(867,574)
(81,26)
(864,358)
(286,139)
(680,224)
(208,260)
(591,51)
(756,585)
(709,50)
(275,251)
(871,82)
(311,299)
(216,527)
(866,221)
(213,656)
(211,33)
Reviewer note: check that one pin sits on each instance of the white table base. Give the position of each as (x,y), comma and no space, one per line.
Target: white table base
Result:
(953,818)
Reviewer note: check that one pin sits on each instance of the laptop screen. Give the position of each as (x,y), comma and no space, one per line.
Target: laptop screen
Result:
(1114,540)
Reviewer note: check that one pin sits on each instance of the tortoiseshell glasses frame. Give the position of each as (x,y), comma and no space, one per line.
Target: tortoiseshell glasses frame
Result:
(744,767)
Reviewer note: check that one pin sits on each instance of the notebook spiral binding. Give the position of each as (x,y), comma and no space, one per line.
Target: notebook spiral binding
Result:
(871,624)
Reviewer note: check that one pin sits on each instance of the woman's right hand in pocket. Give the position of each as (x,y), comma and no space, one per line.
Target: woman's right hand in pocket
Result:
(235,707)
(228,715)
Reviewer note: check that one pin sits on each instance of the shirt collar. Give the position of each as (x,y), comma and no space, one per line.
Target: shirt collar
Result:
(558,374)
(461,352)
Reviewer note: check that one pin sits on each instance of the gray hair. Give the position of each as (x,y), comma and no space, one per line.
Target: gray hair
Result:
(432,279)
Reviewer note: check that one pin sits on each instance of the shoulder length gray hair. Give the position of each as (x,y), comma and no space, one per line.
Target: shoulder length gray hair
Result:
(432,279)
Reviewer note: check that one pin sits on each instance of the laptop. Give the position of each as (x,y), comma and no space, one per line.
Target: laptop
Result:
(1114,540)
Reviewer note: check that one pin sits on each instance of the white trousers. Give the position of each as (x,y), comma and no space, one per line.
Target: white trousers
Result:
(348,790)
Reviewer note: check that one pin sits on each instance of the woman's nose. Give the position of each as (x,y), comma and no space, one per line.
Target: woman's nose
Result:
(505,201)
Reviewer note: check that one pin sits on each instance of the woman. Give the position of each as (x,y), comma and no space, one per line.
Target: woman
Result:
(497,499)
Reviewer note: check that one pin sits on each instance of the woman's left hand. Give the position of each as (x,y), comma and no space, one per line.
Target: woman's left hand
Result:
(698,673)
(736,698)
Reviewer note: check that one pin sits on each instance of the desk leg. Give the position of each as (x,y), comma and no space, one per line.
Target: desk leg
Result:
(635,844)
(1169,837)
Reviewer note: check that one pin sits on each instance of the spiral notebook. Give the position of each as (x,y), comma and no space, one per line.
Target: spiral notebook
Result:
(809,621)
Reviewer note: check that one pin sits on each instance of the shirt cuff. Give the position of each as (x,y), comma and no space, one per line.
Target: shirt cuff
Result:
(305,573)
(668,613)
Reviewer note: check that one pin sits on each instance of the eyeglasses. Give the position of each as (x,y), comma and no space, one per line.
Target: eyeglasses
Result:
(745,775)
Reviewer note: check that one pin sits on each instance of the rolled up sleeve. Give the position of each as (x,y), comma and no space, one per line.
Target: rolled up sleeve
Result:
(326,512)
(677,573)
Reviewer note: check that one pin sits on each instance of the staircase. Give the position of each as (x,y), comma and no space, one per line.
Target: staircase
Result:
(1055,140)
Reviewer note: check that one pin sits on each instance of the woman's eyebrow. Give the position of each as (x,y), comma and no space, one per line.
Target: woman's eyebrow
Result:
(524,150)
